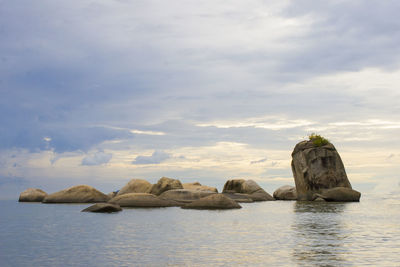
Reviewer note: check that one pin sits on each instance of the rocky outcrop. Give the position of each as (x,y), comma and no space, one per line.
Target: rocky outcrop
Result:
(183,196)
(285,192)
(316,168)
(165,184)
(142,200)
(339,194)
(77,194)
(197,186)
(239,198)
(103,208)
(32,195)
(135,186)
(248,187)
(214,201)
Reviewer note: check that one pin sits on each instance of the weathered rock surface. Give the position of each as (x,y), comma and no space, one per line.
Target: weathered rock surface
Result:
(285,192)
(103,207)
(135,186)
(32,195)
(112,194)
(239,198)
(214,201)
(77,194)
(165,184)
(249,187)
(184,195)
(199,187)
(316,168)
(141,200)
(339,194)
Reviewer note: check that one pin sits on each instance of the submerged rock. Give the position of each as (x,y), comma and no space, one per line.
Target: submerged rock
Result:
(214,201)
(77,194)
(32,195)
(103,207)
(339,194)
(165,184)
(285,192)
(143,200)
(135,186)
(316,168)
(184,195)
(197,186)
(248,187)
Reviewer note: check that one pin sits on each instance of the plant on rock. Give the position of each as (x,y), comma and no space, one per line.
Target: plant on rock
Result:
(318,140)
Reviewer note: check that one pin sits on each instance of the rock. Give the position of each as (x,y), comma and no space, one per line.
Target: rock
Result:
(32,195)
(316,168)
(285,192)
(112,194)
(239,198)
(199,187)
(103,207)
(184,195)
(318,199)
(339,194)
(135,186)
(249,187)
(214,201)
(77,194)
(143,200)
(165,184)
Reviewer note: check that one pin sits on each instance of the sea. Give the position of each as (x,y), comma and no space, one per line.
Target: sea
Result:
(273,233)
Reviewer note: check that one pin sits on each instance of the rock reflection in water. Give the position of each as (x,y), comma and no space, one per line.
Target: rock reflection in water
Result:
(318,234)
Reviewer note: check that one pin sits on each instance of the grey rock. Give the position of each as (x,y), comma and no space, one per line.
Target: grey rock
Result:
(135,186)
(143,200)
(184,195)
(285,192)
(239,198)
(32,195)
(165,184)
(316,168)
(339,194)
(199,187)
(77,194)
(214,201)
(103,207)
(248,187)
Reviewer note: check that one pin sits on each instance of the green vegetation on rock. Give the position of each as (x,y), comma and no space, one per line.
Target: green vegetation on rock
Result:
(318,140)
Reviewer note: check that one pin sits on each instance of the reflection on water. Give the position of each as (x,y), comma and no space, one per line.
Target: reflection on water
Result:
(318,234)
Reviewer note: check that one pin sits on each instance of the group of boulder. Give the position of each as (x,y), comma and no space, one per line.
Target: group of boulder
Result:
(318,173)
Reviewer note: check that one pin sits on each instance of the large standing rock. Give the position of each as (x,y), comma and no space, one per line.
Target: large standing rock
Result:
(285,192)
(249,187)
(165,184)
(183,196)
(199,187)
(103,207)
(339,194)
(32,195)
(142,200)
(77,194)
(135,186)
(214,201)
(316,168)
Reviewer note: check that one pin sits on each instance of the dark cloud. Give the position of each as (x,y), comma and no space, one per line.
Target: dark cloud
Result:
(156,158)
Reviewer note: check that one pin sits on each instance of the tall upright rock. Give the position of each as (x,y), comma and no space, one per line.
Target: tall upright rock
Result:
(317,167)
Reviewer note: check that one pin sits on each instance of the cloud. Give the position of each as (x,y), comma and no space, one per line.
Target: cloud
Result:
(97,158)
(258,161)
(156,158)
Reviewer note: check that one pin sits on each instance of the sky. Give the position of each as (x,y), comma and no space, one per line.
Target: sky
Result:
(100,92)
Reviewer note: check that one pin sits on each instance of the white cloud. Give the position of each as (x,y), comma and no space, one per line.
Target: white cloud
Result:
(156,158)
(97,158)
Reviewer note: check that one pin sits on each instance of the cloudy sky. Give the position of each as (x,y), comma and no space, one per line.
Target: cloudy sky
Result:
(99,92)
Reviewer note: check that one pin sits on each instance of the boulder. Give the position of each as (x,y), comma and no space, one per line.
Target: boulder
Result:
(239,198)
(32,195)
(248,187)
(143,200)
(197,186)
(112,194)
(77,194)
(184,195)
(135,186)
(214,201)
(316,168)
(339,194)
(165,184)
(103,207)
(285,192)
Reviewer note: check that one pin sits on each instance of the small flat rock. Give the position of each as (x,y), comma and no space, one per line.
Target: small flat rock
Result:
(103,207)
(215,201)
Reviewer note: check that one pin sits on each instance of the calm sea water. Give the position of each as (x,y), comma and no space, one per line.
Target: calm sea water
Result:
(260,234)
